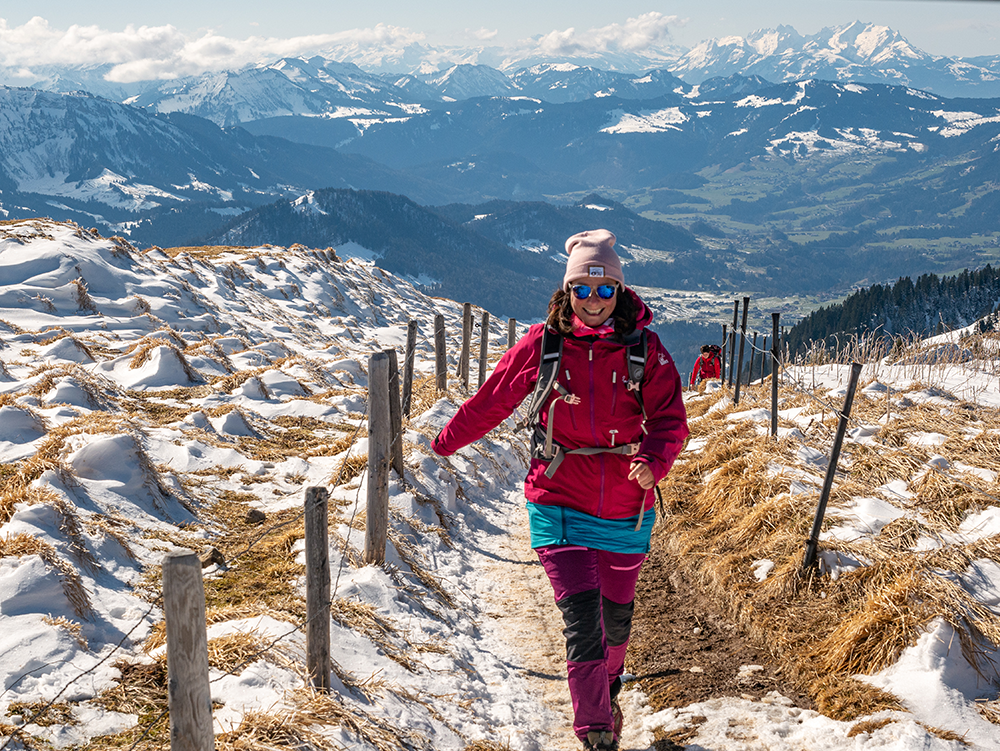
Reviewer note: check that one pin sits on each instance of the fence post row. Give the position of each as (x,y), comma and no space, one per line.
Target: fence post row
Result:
(189,696)
(732,339)
(813,542)
(440,355)
(484,345)
(775,371)
(395,415)
(411,350)
(377,523)
(743,341)
(463,361)
(317,588)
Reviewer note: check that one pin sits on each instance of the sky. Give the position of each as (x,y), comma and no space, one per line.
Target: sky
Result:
(143,35)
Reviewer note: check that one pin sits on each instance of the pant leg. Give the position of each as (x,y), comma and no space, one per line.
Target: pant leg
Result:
(618,574)
(574,574)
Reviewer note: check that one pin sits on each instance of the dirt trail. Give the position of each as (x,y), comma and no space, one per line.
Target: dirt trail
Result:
(522,603)
(682,649)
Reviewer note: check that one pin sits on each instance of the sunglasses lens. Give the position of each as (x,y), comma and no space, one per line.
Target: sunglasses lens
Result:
(582,291)
(606,291)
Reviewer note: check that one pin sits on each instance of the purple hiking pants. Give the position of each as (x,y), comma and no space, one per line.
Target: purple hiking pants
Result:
(595,590)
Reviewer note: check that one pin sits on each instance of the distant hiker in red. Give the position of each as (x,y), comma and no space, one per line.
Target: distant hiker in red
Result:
(708,365)
(610,423)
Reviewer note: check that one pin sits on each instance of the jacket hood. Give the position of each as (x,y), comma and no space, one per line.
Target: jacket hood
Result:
(645,316)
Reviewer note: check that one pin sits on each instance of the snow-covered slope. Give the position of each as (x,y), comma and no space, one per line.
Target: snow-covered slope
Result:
(149,402)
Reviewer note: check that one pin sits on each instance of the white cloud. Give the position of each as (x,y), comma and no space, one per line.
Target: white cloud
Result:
(163,52)
(484,35)
(635,35)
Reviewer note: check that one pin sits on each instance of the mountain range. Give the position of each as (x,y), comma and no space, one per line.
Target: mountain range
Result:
(730,183)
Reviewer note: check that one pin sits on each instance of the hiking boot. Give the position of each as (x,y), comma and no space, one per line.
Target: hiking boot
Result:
(616,710)
(600,740)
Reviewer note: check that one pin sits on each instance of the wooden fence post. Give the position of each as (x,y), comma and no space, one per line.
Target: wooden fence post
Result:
(813,543)
(775,371)
(722,355)
(511,332)
(411,351)
(189,695)
(763,359)
(395,416)
(377,523)
(317,588)
(753,354)
(484,345)
(440,355)
(732,339)
(463,360)
(743,341)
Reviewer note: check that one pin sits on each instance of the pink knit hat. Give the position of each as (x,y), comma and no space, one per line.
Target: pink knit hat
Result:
(592,253)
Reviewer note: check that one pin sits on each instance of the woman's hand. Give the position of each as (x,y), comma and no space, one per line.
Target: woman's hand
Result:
(642,474)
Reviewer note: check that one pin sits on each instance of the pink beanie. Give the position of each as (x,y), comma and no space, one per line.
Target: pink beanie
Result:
(592,253)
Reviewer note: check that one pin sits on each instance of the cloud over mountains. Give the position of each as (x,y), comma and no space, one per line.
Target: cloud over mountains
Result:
(146,53)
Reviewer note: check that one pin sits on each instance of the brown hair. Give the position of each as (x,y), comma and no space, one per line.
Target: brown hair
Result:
(625,315)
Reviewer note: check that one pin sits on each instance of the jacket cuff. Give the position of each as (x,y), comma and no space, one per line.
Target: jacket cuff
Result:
(437,448)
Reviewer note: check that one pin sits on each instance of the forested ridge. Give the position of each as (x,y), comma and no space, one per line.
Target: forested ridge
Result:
(930,305)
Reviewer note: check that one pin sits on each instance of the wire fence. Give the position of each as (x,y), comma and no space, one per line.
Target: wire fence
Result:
(778,367)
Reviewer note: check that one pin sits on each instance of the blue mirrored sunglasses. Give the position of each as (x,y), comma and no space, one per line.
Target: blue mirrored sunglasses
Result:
(604,291)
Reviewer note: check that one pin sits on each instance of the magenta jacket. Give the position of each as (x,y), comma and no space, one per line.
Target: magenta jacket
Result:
(595,370)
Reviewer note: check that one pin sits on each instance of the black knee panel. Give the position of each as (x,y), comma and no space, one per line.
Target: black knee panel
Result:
(617,621)
(581,614)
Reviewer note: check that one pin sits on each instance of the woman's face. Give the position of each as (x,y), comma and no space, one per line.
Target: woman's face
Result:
(593,311)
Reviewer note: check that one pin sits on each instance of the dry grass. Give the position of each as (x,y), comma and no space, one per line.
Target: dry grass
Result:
(868,726)
(726,506)
(349,468)
(21,545)
(59,713)
(73,628)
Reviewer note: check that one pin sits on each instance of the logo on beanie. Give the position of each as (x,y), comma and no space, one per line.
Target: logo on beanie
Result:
(597,271)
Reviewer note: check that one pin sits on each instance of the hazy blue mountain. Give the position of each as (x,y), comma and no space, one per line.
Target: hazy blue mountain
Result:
(82,157)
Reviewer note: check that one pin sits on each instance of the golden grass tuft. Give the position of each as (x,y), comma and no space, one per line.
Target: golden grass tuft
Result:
(349,468)
(233,652)
(314,709)
(72,627)
(59,713)
(845,698)
(141,690)
(945,502)
(868,726)
(424,394)
(21,545)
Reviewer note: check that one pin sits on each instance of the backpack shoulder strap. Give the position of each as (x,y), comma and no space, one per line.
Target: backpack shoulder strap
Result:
(637,349)
(548,369)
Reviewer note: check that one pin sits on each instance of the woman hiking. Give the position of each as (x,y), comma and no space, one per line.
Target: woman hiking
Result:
(708,365)
(609,428)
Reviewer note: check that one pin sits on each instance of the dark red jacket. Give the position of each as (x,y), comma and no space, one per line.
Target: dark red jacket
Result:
(707,365)
(595,370)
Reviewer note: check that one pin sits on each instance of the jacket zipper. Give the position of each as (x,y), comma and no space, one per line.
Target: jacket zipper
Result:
(614,391)
(593,432)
